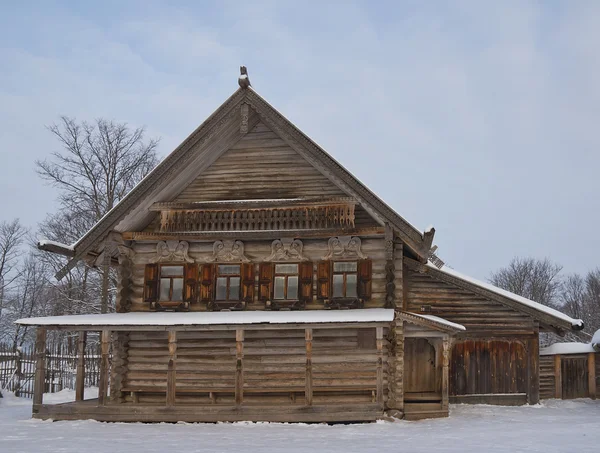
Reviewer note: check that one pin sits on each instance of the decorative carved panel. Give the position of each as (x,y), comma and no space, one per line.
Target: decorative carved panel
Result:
(344,247)
(172,251)
(228,251)
(286,250)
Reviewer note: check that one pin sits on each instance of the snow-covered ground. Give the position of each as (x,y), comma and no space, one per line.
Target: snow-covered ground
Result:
(553,426)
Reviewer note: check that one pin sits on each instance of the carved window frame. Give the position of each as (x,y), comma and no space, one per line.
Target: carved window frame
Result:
(286,276)
(227,276)
(345,274)
(170,300)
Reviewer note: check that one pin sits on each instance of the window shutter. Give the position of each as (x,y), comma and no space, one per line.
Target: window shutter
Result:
(206,283)
(151,283)
(306,281)
(248,282)
(191,283)
(365,276)
(265,281)
(323,279)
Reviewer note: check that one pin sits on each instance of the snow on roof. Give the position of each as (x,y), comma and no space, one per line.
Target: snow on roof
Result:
(509,295)
(215,318)
(44,242)
(567,348)
(596,340)
(441,321)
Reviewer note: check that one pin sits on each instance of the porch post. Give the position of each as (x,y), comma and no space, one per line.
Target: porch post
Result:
(395,402)
(557,377)
(239,367)
(40,368)
(533,393)
(103,384)
(445,372)
(171,371)
(308,392)
(592,375)
(379,337)
(80,376)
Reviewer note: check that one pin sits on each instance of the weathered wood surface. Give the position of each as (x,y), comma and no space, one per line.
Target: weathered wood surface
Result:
(481,317)
(549,386)
(574,376)
(262,166)
(259,366)
(40,368)
(80,377)
(488,367)
(313,249)
(420,371)
(104,367)
(209,413)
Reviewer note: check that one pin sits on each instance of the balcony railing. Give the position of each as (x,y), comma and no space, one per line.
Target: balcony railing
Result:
(288,214)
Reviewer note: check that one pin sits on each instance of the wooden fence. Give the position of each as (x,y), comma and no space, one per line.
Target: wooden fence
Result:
(17,368)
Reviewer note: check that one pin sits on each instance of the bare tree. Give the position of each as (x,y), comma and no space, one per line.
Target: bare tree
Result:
(11,239)
(537,280)
(581,299)
(98,165)
(534,279)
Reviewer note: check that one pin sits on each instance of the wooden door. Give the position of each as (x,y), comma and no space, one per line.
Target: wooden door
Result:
(574,377)
(420,367)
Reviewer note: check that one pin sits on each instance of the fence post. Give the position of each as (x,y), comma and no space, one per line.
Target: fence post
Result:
(18,371)
(40,371)
(80,377)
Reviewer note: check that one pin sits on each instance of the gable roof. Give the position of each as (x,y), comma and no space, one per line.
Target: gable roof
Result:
(212,138)
(544,314)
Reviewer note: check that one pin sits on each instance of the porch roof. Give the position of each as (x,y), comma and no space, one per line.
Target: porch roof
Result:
(123,321)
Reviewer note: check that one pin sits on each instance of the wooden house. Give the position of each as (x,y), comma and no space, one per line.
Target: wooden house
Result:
(260,280)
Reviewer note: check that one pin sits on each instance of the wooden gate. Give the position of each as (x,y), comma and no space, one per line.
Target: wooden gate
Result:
(574,372)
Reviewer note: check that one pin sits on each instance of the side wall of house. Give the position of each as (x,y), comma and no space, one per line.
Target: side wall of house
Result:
(498,352)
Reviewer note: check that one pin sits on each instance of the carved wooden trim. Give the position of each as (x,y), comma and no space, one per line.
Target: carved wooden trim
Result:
(286,250)
(245,114)
(125,283)
(228,251)
(171,251)
(344,247)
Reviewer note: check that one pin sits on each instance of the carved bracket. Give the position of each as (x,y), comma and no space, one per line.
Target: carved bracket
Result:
(286,250)
(344,247)
(227,251)
(172,251)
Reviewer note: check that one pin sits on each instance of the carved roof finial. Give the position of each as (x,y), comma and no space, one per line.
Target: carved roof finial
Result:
(243,80)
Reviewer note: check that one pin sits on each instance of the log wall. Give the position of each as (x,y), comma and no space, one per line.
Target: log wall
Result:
(257,251)
(570,376)
(273,366)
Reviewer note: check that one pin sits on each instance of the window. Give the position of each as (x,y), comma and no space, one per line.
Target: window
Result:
(345,279)
(171,283)
(228,282)
(286,282)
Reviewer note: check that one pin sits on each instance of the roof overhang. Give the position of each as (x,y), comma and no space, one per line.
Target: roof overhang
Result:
(220,320)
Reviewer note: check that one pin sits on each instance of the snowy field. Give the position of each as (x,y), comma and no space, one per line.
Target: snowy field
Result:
(554,426)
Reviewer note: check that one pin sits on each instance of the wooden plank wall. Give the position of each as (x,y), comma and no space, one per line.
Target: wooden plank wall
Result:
(547,377)
(274,366)
(263,166)
(488,366)
(314,249)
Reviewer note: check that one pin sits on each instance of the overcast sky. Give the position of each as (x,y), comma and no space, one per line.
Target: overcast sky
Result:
(480,118)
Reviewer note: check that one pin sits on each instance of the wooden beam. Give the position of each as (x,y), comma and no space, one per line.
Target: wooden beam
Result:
(239,367)
(445,372)
(103,380)
(592,375)
(308,392)
(379,342)
(40,368)
(533,391)
(557,377)
(80,377)
(171,370)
